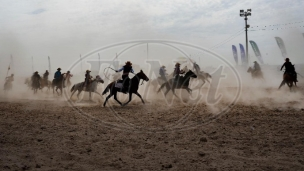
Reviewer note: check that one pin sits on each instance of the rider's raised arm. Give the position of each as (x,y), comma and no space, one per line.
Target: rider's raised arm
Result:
(283,65)
(121,69)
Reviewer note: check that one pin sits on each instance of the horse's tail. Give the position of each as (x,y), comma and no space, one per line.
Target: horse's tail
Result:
(163,85)
(72,89)
(106,90)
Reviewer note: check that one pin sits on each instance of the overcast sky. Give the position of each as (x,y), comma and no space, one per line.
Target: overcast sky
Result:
(64,29)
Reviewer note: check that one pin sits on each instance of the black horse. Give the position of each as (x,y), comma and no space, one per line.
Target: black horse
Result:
(58,84)
(181,83)
(134,83)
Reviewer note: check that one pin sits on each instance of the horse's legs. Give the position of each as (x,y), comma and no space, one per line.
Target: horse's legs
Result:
(79,91)
(140,97)
(189,90)
(107,98)
(72,93)
(130,98)
(115,97)
(283,82)
(167,90)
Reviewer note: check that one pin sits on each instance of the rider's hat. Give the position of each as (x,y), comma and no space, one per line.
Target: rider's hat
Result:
(177,63)
(287,59)
(36,72)
(255,62)
(58,69)
(88,71)
(163,66)
(68,72)
(128,63)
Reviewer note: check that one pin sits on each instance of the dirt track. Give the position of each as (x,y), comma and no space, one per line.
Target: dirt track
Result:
(51,135)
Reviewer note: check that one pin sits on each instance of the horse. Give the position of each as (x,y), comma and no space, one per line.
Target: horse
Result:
(92,87)
(204,77)
(134,83)
(255,74)
(289,80)
(182,83)
(58,84)
(45,83)
(35,84)
(159,81)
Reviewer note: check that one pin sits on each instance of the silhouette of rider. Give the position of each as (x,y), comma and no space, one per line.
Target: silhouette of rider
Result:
(162,73)
(289,69)
(46,76)
(127,68)
(256,66)
(36,79)
(87,78)
(177,71)
(10,78)
(57,75)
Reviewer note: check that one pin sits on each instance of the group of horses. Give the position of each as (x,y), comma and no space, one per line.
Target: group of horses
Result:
(288,78)
(170,84)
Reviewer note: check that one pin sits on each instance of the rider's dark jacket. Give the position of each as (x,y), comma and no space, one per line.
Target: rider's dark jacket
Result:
(288,67)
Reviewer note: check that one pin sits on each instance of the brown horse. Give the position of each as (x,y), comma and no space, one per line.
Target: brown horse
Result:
(289,80)
(134,83)
(255,74)
(58,84)
(45,83)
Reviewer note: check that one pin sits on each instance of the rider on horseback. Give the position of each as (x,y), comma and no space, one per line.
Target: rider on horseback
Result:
(35,79)
(289,69)
(57,76)
(256,67)
(46,76)
(10,78)
(125,75)
(162,73)
(87,79)
(177,71)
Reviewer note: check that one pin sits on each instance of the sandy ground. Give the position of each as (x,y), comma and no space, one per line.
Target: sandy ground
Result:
(45,132)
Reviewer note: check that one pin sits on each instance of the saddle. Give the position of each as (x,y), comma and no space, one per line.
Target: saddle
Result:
(178,82)
(123,85)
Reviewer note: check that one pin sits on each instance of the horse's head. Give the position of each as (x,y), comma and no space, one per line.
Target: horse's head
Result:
(99,79)
(142,75)
(190,74)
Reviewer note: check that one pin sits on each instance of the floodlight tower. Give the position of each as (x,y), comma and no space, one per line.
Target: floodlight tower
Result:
(245,14)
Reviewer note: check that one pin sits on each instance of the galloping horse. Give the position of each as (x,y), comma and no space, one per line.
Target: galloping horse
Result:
(182,83)
(289,80)
(204,77)
(92,87)
(35,84)
(134,83)
(45,83)
(255,74)
(58,84)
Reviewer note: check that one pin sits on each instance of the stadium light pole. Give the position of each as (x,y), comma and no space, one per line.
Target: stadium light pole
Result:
(245,14)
